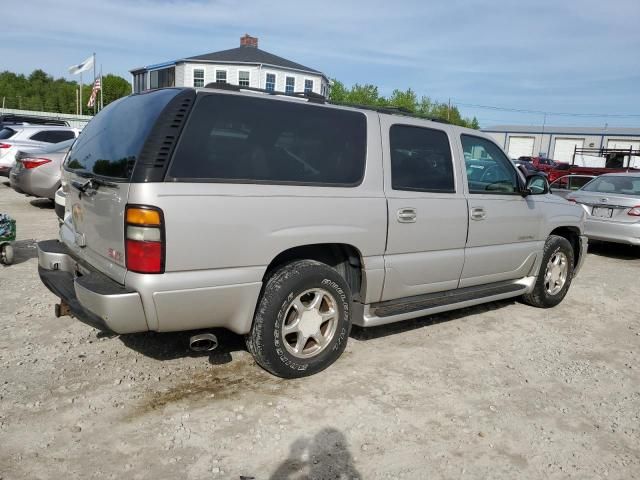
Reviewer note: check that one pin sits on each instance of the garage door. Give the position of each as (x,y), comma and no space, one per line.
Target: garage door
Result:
(564,148)
(625,145)
(520,147)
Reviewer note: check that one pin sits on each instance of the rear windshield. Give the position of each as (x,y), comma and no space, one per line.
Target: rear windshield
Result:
(622,185)
(111,142)
(231,138)
(6,132)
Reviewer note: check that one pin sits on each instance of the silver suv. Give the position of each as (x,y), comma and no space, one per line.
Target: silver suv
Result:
(288,220)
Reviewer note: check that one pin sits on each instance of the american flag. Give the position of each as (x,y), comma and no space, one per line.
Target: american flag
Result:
(94,91)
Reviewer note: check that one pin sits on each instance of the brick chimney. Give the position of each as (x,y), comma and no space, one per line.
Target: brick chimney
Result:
(248,41)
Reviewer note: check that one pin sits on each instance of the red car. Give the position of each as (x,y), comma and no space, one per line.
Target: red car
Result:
(541,164)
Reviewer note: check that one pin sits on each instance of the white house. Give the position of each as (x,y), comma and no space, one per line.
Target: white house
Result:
(246,66)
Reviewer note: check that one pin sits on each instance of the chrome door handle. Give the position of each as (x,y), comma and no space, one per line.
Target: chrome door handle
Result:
(478,213)
(407,215)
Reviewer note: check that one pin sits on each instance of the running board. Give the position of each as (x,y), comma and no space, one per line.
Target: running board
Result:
(411,307)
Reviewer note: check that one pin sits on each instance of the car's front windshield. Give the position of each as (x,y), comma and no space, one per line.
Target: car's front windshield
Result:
(619,184)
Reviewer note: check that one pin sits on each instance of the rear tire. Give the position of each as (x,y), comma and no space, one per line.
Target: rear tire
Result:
(6,254)
(302,321)
(555,275)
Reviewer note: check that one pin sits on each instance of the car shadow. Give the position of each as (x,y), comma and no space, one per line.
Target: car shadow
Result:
(174,345)
(43,203)
(614,250)
(23,250)
(371,333)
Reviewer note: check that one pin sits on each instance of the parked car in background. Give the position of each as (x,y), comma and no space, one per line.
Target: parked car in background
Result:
(16,137)
(563,186)
(612,204)
(541,164)
(19,119)
(37,170)
(287,220)
(527,168)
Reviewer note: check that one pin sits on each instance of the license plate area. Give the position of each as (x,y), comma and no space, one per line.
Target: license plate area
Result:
(602,212)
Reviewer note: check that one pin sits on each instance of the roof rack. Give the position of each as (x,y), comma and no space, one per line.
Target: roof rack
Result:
(393,110)
(317,98)
(310,96)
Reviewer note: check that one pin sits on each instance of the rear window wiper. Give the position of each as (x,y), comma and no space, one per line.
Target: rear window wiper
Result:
(92,183)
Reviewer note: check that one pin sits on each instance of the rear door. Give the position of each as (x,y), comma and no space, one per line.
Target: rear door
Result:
(427,210)
(97,173)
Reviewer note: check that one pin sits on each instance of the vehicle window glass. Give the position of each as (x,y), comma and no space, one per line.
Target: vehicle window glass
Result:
(623,185)
(576,183)
(488,169)
(251,140)
(560,184)
(6,133)
(112,140)
(420,159)
(53,136)
(42,136)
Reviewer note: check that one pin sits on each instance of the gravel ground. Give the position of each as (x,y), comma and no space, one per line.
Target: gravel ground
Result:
(497,391)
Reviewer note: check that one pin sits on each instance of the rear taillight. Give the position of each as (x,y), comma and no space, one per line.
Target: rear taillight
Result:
(634,212)
(34,162)
(5,145)
(144,239)
(572,200)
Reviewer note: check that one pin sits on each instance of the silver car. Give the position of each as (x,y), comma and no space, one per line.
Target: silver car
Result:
(14,138)
(567,184)
(37,171)
(612,205)
(288,220)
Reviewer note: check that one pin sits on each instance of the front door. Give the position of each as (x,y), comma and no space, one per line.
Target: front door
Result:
(504,227)
(427,210)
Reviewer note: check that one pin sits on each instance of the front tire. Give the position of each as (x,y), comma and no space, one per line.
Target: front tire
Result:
(556,273)
(302,321)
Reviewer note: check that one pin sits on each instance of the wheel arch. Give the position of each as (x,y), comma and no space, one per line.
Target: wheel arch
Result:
(572,234)
(345,258)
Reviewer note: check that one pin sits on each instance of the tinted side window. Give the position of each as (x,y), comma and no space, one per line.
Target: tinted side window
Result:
(53,136)
(251,140)
(488,169)
(6,132)
(420,160)
(42,136)
(113,139)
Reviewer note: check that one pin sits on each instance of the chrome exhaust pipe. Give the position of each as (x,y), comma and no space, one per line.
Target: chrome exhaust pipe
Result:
(204,342)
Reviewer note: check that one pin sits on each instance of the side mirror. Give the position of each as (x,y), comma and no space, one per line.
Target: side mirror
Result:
(536,185)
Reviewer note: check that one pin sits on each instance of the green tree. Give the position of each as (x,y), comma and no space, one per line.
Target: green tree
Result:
(40,91)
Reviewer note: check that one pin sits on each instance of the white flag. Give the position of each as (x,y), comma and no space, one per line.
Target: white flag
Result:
(82,67)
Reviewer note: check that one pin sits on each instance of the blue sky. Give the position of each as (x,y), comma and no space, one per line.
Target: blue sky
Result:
(579,56)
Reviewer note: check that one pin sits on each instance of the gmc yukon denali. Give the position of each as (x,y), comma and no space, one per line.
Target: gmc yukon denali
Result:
(288,220)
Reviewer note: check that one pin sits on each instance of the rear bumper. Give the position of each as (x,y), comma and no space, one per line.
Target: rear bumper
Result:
(610,231)
(93,298)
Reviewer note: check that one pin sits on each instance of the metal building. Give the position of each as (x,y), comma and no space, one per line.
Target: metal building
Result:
(559,143)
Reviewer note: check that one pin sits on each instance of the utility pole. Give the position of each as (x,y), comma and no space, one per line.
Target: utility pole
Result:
(449,110)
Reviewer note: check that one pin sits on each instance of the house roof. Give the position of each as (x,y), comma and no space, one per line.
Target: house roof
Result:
(247,54)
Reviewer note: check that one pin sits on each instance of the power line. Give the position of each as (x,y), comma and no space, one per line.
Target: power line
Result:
(539,112)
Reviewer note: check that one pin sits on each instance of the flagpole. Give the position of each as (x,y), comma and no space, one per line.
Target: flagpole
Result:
(94,79)
(101,89)
(80,93)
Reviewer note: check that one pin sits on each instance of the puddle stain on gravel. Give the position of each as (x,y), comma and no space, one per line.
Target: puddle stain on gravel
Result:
(234,380)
